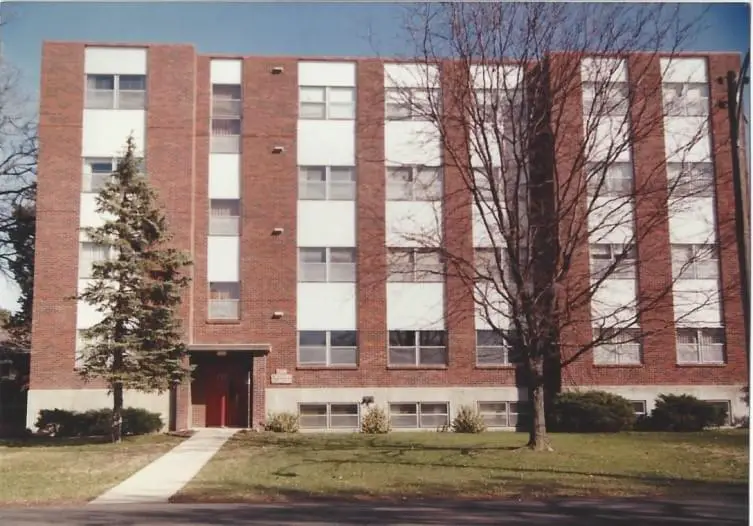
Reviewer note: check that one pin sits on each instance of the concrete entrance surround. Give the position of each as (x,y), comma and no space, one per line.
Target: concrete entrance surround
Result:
(164,477)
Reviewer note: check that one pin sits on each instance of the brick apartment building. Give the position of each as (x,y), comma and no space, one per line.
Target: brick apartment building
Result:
(273,175)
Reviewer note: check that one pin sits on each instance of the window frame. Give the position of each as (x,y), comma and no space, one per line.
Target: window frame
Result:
(237,301)
(410,105)
(418,274)
(505,347)
(328,264)
(116,103)
(508,412)
(232,222)
(87,173)
(328,347)
(641,413)
(328,103)
(109,249)
(616,273)
(416,348)
(683,108)
(419,414)
(635,343)
(617,98)
(728,403)
(328,414)
(416,193)
(235,105)
(699,348)
(692,267)
(683,182)
(327,183)
(608,187)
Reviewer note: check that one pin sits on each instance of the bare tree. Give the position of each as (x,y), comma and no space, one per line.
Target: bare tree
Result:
(18,158)
(539,110)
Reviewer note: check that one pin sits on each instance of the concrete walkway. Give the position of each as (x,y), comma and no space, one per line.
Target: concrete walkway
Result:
(164,477)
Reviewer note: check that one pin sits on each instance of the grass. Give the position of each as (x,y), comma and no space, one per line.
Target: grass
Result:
(71,471)
(268,467)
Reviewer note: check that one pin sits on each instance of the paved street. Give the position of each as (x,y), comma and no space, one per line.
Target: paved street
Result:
(707,512)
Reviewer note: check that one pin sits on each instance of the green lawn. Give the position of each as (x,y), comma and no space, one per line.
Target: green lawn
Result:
(261,466)
(71,471)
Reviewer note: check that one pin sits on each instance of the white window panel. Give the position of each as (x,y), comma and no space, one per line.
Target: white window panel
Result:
(414,183)
(328,348)
(604,256)
(224,301)
(700,346)
(325,102)
(690,179)
(618,348)
(695,261)
(414,265)
(418,348)
(334,183)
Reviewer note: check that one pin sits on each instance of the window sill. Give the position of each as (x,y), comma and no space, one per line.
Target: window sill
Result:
(503,366)
(326,367)
(414,367)
(619,365)
(223,322)
(712,365)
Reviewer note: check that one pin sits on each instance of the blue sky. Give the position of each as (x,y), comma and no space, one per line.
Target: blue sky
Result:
(336,29)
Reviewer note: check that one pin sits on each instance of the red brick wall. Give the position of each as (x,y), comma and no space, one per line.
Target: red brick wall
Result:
(57,242)
(732,307)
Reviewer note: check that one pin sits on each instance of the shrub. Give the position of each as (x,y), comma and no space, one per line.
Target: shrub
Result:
(96,422)
(375,422)
(684,413)
(468,420)
(591,412)
(282,423)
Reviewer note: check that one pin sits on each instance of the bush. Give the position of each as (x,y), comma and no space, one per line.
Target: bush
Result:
(468,420)
(375,422)
(282,423)
(684,413)
(96,422)
(591,412)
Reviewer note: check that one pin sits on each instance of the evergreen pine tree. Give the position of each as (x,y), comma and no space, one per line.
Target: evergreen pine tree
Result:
(137,288)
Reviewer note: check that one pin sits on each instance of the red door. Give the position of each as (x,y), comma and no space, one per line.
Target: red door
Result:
(216,392)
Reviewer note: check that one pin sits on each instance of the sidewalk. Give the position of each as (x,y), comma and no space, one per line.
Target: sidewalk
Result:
(164,477)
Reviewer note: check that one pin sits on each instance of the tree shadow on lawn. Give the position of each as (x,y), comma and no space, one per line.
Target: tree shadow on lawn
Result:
(50,442)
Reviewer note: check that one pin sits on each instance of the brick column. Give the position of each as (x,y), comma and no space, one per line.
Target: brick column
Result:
(732,307)
(170,159)
(370,221)
(457,221)
(58,197)
(655,293)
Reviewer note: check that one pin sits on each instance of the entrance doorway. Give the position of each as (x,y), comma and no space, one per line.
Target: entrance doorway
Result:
(221,386)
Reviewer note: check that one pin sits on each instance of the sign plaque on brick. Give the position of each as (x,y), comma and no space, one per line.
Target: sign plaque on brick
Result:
(282,376)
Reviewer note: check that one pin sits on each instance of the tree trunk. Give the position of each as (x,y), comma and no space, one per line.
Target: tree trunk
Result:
(117,411)
(538,439)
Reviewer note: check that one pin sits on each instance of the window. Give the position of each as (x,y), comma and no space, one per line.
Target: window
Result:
(699,346)
(492,349)
(226,101)
(690,179)
(414,183)
(607,98)
(498,105)
(419,415)
(333,183)
(91,253)
(321,102)
(414,265)
(226,135)
(695,261)
(224,300)
(98,172)
(615,180)
(491,264)
(615,261)
(725,406)
(501,414)
(224,217)
(485,184)
(326,264)
(327,348)
(417,348)
(686,99)
(124,92)
(617,347)
(639,407)
(411,104)
(329,416)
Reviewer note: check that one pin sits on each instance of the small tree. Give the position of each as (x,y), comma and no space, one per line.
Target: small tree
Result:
(137,288)
(21,232)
